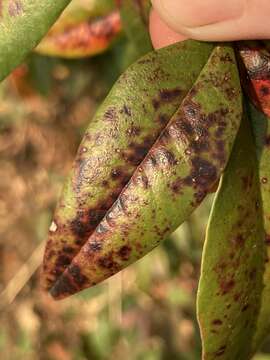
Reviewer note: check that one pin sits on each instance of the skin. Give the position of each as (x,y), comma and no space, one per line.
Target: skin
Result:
(208,20)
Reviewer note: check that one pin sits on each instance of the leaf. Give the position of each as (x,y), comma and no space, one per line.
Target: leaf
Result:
(149,198)
(81,10)
(22,24)
(261,125)
(257,62)
(232,266)
(134,15)
(87,38)
(256,74)
(137,109)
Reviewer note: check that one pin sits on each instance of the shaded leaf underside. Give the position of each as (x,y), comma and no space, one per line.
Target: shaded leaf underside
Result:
(175,170)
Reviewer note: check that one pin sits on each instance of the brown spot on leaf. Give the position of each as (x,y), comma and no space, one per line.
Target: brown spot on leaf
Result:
(124,252)
(220,351)
(126,110)
(64,286)
(236,297)
(94,246)
(245,307)
(226,286)
(177,186)
(77,275)
(166,96)
(217,322)
(63,261)
(89,37)
(108,262)
(136,152)
(133,131)
(203,173)
(110,113)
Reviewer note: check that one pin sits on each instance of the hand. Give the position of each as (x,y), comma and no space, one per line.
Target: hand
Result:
(209,20)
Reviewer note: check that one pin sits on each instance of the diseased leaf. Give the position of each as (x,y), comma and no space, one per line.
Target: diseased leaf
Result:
(256,73)
(81,10)
(126,126)
(22,24)
(232,267)
(87,38)
(175,175)
(135,18)
(257,64)
(261,125)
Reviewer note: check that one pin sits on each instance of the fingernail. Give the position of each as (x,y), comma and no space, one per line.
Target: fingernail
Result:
(195,13)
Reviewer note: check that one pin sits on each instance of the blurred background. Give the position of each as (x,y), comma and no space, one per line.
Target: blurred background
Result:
(148,311)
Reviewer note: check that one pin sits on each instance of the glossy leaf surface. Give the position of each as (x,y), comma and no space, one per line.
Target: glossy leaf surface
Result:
(174,177)
(231,276)
(22,24)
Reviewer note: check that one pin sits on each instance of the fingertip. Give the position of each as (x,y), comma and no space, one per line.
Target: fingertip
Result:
(161,34)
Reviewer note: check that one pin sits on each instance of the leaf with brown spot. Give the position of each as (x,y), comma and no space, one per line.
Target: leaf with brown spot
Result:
(22,25)
(256,73)
(261,126)
(84,29)
(232,266)
(117,140)
(149,207)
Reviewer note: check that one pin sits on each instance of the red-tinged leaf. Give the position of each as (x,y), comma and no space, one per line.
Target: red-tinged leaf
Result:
(256,60)
(83,39)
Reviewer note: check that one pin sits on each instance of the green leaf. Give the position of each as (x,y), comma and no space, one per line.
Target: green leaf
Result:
(134,15)
(133,181)
(232,267)
(261,126)
(22,25)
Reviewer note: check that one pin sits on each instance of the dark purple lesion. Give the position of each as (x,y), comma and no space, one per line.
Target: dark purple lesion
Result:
(166,96)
